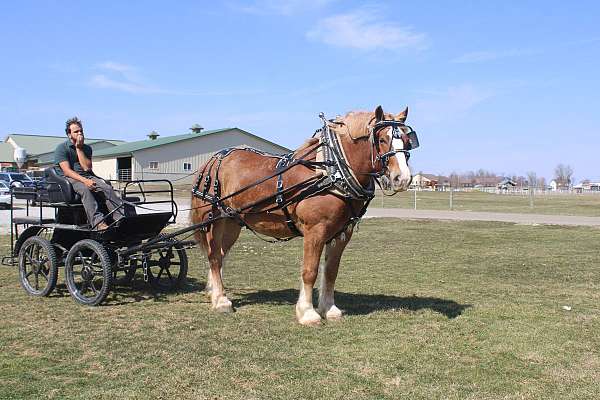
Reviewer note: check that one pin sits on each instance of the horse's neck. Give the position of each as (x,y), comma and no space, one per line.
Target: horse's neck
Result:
(358,154)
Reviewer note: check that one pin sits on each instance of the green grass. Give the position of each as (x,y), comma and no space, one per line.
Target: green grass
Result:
(555,204)
(434,310)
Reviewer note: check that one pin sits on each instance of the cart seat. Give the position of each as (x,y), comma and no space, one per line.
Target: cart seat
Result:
(59,188)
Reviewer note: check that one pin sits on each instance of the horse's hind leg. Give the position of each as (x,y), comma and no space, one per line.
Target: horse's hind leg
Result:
(333,255)
(219,239)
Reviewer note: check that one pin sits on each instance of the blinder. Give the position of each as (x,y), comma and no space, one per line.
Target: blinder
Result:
(410,139)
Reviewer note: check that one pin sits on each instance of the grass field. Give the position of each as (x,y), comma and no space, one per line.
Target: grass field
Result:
(435,310)
(555,204)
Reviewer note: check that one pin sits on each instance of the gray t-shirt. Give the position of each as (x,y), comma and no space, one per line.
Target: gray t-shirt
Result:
(67,152)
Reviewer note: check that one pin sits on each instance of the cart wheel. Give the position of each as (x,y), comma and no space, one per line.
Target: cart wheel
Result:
(167,268)
(124,276)
(38,266)
(88,272)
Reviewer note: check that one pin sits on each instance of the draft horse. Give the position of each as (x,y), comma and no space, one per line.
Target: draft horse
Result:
(319,192)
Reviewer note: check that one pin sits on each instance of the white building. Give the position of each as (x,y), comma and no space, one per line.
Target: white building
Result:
(173,157)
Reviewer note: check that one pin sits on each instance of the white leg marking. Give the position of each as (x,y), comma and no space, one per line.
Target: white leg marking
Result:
(305,313)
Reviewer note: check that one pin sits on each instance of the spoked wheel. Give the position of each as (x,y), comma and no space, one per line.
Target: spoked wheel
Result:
(167,267)
(124,276)
(38,266)
(88,272)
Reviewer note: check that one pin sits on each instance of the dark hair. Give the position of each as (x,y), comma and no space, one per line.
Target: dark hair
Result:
(70,122)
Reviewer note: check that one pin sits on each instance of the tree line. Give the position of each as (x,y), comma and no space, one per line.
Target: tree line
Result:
(563,175)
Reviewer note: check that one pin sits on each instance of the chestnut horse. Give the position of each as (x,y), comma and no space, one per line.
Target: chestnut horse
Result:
(316,192)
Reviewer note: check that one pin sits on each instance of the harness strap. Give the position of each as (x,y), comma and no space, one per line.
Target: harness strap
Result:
(279,198)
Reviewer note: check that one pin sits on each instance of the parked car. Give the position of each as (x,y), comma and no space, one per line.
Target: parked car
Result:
(36,175)
(16,179)
(4,195)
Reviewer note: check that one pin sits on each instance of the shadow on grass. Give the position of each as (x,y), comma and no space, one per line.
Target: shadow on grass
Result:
(360,304)
(136,291)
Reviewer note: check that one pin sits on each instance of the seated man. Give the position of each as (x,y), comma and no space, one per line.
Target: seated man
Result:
(74,158)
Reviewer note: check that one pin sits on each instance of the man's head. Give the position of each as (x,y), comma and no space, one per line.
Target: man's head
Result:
(73,128)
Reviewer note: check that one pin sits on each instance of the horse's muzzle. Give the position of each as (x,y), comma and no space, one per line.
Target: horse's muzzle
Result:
(401,182)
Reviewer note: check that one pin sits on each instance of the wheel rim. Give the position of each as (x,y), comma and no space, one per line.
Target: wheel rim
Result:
(35,268)
(87,275)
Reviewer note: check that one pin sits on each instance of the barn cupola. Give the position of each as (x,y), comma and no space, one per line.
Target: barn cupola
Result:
(153,135)
(196,128)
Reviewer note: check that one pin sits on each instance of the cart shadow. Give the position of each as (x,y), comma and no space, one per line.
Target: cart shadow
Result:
(360,304)
(137,291)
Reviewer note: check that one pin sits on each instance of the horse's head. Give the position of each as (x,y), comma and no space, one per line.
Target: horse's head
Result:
(393,140)
(390,140)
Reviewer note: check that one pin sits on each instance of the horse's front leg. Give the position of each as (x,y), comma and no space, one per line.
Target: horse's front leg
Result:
(305,312)
(333,255)
(217,245)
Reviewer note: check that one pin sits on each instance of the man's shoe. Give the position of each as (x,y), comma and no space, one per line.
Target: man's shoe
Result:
(101,226)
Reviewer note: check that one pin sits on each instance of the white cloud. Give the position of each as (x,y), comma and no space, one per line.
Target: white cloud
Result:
(114,66)
(451,103)
(482,56)
(125,78)
(104,82)
(363,29)
(280,7)
(122,77)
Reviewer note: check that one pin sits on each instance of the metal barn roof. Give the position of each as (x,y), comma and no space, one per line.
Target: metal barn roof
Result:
(40,144)
(130,147)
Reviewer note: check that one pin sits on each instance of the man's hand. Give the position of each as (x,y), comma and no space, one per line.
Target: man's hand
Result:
(90,184)
(79,142)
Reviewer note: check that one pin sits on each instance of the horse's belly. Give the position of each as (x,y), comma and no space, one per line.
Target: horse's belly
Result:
(269,224)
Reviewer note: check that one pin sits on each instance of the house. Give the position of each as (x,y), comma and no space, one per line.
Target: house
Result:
(173,157)
(557,185)
(506,184)
(423,181)
(587,186)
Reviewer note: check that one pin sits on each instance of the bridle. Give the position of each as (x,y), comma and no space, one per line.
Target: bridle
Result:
(409,139)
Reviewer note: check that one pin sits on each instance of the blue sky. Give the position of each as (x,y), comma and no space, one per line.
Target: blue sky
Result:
(507,86)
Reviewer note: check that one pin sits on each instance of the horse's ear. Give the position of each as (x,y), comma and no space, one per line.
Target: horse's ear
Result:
(378,114)
(402,116)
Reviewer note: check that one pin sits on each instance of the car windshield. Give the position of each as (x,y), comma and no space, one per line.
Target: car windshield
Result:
(20,177)
(3,185)
(4,177)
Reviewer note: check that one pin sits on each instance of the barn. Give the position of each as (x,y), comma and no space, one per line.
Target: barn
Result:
(173,157)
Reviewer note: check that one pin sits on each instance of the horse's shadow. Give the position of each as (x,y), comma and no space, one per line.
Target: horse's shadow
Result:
(360,304)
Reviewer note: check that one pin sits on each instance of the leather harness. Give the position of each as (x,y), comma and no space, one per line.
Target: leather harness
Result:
(336,177)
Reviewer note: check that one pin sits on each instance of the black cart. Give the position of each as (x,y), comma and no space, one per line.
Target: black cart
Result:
(95,260)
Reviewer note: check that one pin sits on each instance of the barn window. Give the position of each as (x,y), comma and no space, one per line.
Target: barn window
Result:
(187,166)
(153,165)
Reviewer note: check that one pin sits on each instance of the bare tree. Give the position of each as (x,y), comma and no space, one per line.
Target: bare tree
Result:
(532,179)
(563,174)
(454,180)
(542,183)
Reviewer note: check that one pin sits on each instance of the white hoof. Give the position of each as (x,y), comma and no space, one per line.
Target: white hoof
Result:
(223,305)
(333,314)
(310,318)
